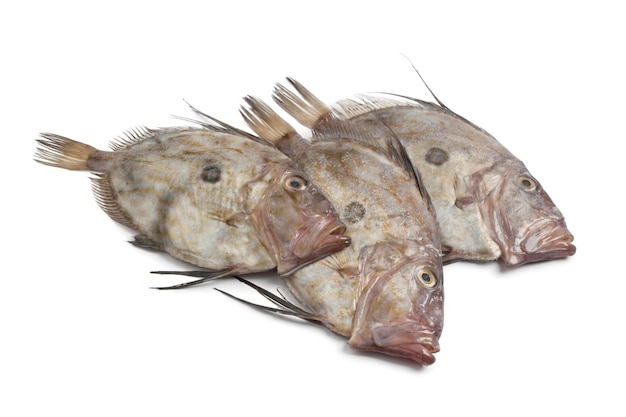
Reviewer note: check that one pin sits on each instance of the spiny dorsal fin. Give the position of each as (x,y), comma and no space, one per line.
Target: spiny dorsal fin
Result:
(365,103)
(220,126)
(132,137)
(264,121)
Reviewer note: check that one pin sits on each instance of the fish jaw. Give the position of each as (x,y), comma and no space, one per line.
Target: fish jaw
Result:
(404,341)
(321,235)
(544,240)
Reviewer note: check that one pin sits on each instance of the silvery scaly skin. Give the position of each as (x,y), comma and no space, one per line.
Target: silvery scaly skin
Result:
(211,197)
(488,204)
(385,291)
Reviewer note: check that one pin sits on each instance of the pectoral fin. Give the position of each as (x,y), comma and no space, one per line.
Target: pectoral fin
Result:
(144,242)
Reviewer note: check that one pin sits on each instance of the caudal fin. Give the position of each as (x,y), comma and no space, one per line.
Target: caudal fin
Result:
(306,108)
(265,121)
(61,152)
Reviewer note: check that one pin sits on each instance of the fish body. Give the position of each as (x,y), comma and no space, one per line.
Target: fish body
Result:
(488,204)
(385,291)
(213,198)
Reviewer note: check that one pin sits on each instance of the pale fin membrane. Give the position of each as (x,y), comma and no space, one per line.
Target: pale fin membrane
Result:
(61,152)
(265,121)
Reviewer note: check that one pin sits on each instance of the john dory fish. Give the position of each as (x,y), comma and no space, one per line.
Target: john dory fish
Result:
(215,198)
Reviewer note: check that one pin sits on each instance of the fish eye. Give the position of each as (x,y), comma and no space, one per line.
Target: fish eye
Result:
(427,277)
(295,183)
(527,184)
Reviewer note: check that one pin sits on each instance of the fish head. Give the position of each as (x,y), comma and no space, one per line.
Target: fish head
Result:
(399,309)
(520,216)
(296,222)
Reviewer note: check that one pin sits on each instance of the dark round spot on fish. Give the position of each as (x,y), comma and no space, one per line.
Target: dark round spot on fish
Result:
(353,212)
(437,156)
(211,173)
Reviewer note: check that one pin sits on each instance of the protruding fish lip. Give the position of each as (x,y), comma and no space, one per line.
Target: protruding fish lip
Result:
(544,240)
(315,240)
(419,347)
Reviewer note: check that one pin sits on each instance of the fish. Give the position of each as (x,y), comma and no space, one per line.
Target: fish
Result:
(385,291)
(214,197)
(488,205)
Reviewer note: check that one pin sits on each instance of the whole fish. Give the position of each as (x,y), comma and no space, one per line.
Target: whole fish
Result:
(214,197)
(488,204)
(385,291)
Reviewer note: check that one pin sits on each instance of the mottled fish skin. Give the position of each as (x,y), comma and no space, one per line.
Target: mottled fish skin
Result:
(213,198)
(384,292)
(488,204)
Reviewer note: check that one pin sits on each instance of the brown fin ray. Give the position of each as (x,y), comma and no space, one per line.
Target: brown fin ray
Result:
(217,125)
(283,306)
(132,137)
(306,109)
(144,242)
(106,200)
(61,152)
(265,121)
(204,276)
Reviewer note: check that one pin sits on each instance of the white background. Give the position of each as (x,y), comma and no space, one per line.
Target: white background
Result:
(82,333)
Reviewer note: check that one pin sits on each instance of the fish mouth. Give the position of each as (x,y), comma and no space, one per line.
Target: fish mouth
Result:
(420,347)
(315,240)
(544,240)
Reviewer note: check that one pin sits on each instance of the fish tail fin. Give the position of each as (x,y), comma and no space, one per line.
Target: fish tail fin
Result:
(307,109)
(265,121)
(61,152)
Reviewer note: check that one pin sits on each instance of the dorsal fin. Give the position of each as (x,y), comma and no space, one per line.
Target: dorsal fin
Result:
(220,126)
(427,86)
(264,121)
(132,137)
(366,103)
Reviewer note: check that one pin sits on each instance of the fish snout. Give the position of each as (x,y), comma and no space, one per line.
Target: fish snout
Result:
(544,240)
(418,345)
(318,237)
